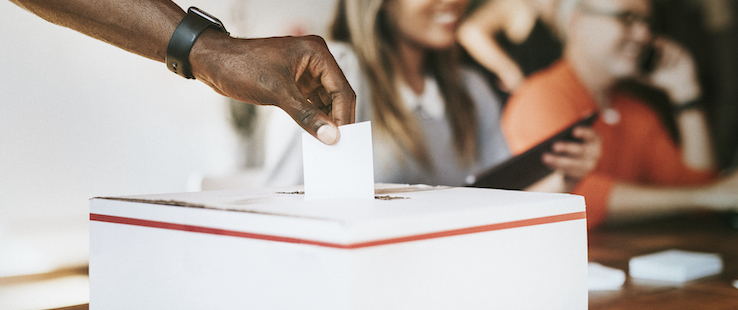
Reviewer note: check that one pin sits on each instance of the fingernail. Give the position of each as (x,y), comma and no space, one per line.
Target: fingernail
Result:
(328,134)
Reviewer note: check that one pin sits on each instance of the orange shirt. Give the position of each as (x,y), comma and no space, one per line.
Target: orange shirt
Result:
(636,149)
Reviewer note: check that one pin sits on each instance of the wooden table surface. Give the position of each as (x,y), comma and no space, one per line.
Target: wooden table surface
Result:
(614,246)
(80,307)
(713,233)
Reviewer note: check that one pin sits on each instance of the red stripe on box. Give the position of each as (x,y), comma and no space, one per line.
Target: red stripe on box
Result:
(240,234)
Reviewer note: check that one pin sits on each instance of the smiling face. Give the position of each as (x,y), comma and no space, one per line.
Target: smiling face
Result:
(611,34)
(428,24)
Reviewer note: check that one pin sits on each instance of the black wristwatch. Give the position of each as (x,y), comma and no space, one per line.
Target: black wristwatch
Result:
(183,38)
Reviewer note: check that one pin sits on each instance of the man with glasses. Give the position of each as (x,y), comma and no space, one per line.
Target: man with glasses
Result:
(642,172)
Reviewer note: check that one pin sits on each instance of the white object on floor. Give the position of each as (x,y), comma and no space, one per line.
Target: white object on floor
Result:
(604,278)
(675,265)
(735,283)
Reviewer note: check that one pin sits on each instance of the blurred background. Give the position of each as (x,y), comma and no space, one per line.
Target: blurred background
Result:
(81,119)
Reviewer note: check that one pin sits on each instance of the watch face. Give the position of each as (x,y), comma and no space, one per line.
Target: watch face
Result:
(212,19)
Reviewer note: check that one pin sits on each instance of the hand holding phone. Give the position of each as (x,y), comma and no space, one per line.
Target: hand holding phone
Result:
(527,168)
(577,157)
(672,69)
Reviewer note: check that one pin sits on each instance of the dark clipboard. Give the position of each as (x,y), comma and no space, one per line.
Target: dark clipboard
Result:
(523,170)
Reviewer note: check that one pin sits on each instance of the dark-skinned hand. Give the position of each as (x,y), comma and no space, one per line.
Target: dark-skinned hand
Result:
(297,74)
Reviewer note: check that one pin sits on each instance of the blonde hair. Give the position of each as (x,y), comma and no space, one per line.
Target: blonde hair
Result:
(364,25)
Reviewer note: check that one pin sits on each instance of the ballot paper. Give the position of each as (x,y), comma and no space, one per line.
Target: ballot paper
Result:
(675,266)
(603,278)
(344,170)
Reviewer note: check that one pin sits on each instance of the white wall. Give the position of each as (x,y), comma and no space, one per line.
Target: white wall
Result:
(80,118)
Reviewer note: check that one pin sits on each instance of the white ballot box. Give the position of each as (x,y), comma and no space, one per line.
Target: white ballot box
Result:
(413,247)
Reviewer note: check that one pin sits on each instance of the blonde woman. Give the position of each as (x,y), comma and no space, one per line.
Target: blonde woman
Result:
(434,123)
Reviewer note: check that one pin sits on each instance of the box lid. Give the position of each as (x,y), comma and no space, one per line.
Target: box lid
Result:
(400,213)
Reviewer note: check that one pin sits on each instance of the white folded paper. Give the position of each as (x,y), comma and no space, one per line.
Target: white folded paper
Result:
(603,278)
(344,170)
(675,266)
(735,283)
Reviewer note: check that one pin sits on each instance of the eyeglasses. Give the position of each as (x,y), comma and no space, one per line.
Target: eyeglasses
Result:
(626,18)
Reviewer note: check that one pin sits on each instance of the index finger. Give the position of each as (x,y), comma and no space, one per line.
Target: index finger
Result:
(310,118)
(323,67)
(340,92)
(585,133)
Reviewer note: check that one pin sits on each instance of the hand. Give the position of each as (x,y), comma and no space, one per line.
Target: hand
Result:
(297,74)
(511,79)
(575,160)
(675,72)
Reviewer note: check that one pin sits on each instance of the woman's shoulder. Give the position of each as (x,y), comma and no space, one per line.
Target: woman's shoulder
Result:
(470,74)
(344,54)
(349,63)
(478,86)
(338,47)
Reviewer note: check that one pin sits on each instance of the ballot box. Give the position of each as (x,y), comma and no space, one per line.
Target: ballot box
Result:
(412,247)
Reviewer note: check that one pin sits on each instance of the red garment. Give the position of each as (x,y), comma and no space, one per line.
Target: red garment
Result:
(637,149)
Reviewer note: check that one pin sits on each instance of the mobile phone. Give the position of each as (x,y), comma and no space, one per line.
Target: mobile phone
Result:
(527,168)
(648,59)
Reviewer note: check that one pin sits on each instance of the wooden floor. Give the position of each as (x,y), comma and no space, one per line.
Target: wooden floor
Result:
(80,307)
(703,233)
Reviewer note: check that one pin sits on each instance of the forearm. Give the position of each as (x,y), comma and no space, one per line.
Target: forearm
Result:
(676,75)
(629,201)
(298,74)
(696,142)
(141,27)
(476,35)
(553,183)
(480,45)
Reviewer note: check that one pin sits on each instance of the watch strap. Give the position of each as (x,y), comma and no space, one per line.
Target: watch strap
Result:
(184,37)
(689,105)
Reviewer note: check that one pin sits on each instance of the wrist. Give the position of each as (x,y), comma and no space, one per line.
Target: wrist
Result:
(686,106)
(685,94)
(206,54)
(184,38)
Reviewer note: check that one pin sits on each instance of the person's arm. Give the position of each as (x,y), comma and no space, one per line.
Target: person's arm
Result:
(676,75)
(574,160)
(674,187)
(298,74)
(475,34)
(571,162)
(635,201)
